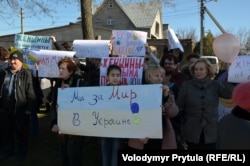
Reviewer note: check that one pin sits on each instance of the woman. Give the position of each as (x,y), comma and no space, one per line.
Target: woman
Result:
(155,75)
(71,145)
(198,101)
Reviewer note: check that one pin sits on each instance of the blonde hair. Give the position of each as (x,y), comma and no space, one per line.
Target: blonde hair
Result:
(208,66)
(153,69)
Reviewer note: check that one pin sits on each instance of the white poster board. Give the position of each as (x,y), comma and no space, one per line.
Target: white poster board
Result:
(91,48)
(239,70)
(132,69)
(33,42)
(111,111)
(48,61)
(173,40)
(129,43)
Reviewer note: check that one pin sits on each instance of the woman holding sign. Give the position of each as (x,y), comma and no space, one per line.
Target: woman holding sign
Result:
(70,145)
(198,101)
(155,75)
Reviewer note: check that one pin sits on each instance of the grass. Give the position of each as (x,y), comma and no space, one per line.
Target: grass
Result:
(44,150)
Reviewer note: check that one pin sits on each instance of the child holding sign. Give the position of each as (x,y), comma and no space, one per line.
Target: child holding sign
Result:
(110,146)
(154,75)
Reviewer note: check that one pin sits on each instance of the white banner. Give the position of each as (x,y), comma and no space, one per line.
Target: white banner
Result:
(47,60)
(91,48)
(111,111)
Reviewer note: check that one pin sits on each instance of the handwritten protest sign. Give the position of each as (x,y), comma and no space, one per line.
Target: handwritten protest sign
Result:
(239,70)
(33,42)
(111,111)
(91,48)
(132,69)
(47,60)
(129,43)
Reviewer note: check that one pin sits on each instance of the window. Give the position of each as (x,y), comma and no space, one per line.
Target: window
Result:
(110,5)
(110,21)
(157,27)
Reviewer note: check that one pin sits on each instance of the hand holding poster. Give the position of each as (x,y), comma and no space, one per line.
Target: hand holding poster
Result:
(33,42)
(129,43)
(47,60)
(111,111)
(239,70)
(132,69)
(91,48)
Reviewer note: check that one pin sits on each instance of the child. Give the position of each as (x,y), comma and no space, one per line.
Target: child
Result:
(154,75)
(110,146)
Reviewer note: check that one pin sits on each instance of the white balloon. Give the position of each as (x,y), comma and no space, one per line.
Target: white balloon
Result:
(226,47)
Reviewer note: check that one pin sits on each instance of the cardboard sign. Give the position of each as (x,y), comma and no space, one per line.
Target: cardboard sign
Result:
(129,43)
(111,111)
(33,42)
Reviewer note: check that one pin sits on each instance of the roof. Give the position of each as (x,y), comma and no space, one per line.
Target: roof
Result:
(142,15)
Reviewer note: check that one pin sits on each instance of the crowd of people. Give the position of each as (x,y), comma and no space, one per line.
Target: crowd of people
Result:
(190,98)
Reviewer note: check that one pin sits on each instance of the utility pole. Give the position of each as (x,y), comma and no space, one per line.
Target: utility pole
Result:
(202,26)
(22,17)
(214,20)
(203,9)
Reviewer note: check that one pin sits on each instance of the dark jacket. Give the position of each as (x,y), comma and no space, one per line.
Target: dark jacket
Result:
(198,101)
(234,130)
(24,93)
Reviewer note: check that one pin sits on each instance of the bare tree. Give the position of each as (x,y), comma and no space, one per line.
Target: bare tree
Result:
(37,8)
(244,37)
(186,33)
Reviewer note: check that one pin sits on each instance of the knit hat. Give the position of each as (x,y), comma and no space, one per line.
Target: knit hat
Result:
(17,54)
(241,95)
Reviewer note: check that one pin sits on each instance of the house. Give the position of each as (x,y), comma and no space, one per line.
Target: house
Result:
(113,15)
(145,16)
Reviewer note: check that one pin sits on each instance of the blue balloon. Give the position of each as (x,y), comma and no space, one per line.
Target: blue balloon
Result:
(134,108)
